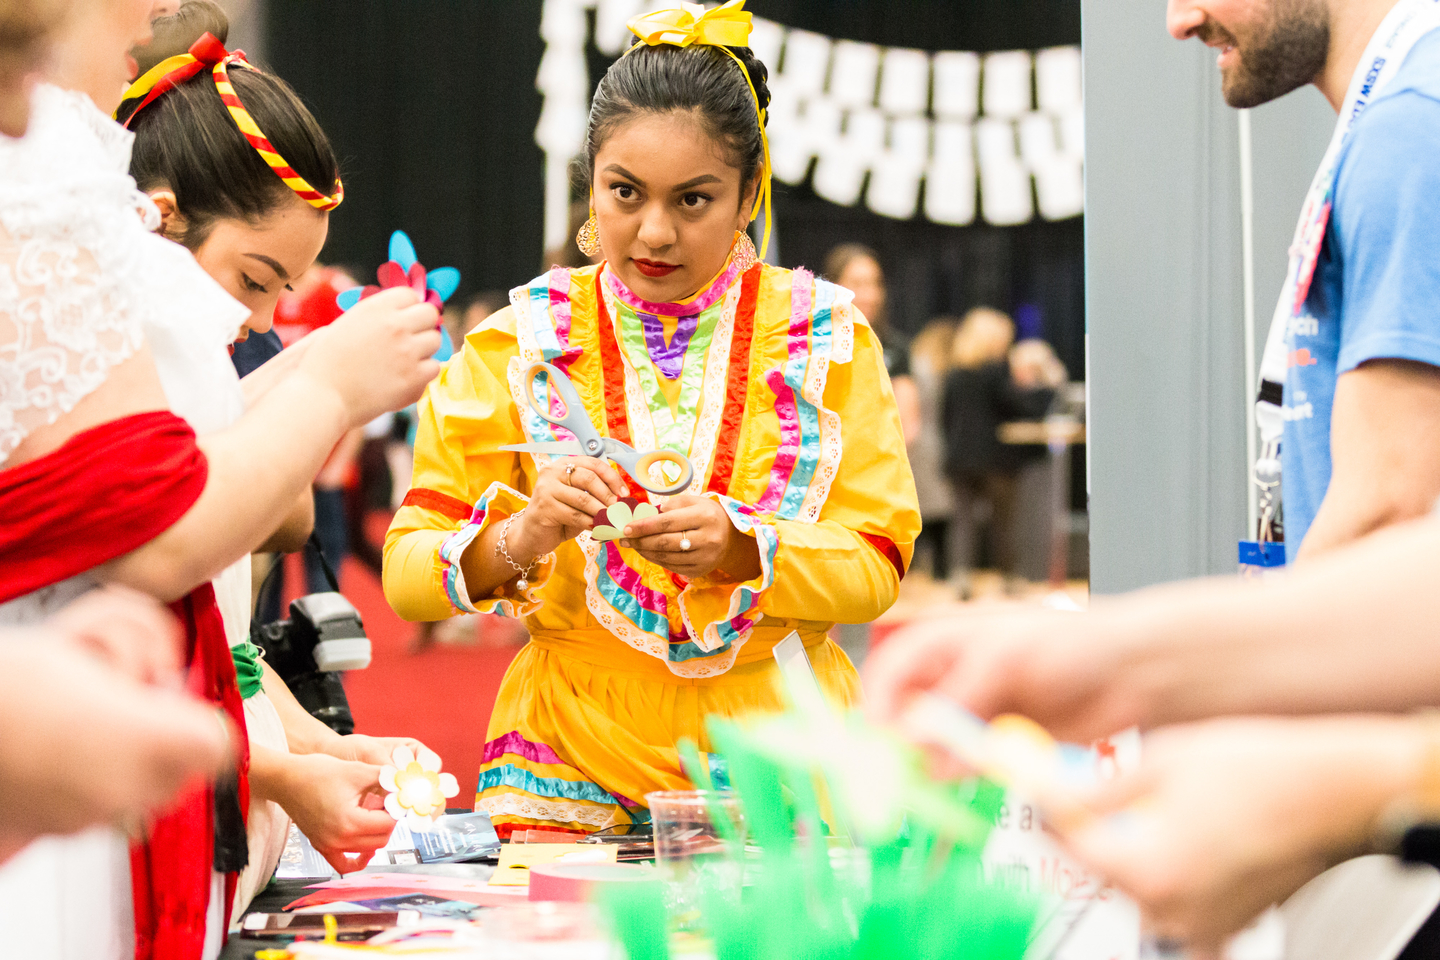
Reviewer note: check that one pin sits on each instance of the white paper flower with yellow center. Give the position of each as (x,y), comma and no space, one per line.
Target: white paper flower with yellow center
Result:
(415,789)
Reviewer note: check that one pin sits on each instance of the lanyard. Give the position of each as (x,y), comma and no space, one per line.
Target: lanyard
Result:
(1402,28)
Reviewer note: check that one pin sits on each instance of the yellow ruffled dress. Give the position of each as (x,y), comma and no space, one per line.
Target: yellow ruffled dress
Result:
(784,408)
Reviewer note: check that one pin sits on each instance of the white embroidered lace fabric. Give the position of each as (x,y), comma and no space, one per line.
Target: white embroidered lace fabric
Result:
(84,282)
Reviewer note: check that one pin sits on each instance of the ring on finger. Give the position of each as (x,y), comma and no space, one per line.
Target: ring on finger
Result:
(685,541)
(569,469)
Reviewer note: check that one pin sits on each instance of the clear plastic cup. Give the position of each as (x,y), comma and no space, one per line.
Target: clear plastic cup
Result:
(697,857)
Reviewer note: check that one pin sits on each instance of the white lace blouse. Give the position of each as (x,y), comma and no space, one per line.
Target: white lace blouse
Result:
(84,282)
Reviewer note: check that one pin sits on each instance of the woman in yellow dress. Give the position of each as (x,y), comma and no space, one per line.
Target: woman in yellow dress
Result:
(802,511)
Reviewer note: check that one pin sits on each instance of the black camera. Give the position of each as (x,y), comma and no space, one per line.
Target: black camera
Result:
(323,636)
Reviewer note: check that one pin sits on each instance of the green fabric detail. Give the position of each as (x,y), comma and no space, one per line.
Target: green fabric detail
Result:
(672,431)
(248,672)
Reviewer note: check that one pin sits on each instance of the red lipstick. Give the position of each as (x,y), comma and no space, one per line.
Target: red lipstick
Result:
(655,268)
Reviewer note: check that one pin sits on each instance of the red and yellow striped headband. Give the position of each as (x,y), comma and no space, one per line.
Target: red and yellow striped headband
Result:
(209,53)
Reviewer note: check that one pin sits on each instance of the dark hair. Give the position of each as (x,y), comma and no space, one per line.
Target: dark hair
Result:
(841,256)
(173,35)
(698,78)
(186,141)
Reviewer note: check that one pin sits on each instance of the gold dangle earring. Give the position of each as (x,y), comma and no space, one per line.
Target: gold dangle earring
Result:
(588,239)
(744,254)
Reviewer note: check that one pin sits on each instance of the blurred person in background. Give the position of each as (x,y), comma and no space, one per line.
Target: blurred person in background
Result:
(1034,364)
(929,363)
(980,394)
(856,267)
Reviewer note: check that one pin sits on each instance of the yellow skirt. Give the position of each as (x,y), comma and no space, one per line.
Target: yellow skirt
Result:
(585,726)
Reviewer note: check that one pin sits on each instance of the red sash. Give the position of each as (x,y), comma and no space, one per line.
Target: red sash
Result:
(170,872)
(105,492)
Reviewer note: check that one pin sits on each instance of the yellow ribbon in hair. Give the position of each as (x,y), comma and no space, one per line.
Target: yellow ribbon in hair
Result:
(725,26)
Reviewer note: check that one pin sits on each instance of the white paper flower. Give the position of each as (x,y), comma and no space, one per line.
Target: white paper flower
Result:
(415,789)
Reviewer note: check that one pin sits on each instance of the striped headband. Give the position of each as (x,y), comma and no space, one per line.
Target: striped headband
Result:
(209,53)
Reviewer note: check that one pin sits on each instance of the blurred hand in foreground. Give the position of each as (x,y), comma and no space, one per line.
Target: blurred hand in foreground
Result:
(96,729)
(1226,817)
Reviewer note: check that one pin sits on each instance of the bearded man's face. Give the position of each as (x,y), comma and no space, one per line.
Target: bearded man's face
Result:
(1267,47)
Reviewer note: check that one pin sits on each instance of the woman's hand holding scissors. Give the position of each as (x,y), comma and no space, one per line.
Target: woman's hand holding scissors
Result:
(693,536)
(567,495)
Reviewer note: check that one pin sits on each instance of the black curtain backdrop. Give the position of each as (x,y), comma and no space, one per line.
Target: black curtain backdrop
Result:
(432,107)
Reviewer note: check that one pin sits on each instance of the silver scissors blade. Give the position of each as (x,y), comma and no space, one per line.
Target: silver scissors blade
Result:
(564,448)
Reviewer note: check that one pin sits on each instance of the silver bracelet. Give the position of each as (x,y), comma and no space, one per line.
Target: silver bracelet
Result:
(524,582)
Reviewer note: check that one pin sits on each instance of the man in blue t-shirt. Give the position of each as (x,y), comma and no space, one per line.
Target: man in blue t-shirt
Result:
(1361,448)
(1362,388)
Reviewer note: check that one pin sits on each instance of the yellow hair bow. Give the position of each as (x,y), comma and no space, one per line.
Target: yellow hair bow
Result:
(725,26)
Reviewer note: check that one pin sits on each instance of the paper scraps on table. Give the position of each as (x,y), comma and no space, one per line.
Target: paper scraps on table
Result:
(610,523)
(415,789)
(517,859)
(374,886)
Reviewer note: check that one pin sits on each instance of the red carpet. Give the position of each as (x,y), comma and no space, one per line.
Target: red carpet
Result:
(442,696)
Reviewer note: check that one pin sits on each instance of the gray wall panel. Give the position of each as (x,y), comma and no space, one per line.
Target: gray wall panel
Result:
(1164,304)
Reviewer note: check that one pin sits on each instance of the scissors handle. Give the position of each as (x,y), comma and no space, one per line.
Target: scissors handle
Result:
(574,419)
(638,466)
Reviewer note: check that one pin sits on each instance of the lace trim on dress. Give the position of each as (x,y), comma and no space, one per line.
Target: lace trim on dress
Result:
(556,811)
(833,315)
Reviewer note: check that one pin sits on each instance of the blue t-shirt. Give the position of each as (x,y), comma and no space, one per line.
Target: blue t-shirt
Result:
(1376,292)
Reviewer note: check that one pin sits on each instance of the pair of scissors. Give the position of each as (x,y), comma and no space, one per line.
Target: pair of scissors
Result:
(588,442)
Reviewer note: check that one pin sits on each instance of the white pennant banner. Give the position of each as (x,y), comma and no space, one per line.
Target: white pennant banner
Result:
(956,135)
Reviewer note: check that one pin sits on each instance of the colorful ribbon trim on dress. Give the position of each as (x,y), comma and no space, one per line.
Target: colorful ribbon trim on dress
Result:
(745,601)
(612,378)
(799,451)
(699,303)
(673,430)
(549,314)
(453,547)
(518,778)
(623,587)
(737,381)
(515,744)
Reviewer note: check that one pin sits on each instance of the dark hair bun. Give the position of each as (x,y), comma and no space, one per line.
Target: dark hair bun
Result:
(758,75)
